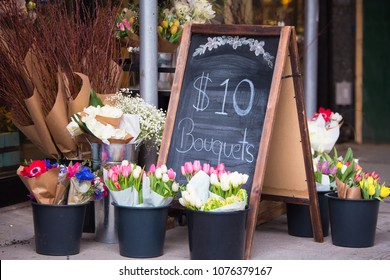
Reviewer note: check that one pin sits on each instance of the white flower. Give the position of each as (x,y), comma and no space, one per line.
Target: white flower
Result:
(165,178)
(164,169)
(244,178)
(224,182)
(158,173)
(214,180)
(175,187)
(137,172)
(125,162)
(105,111)
(74,129)
(234,179)
(152,120)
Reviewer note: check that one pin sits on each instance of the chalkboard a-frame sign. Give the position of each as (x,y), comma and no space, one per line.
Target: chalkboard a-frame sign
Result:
(237,99)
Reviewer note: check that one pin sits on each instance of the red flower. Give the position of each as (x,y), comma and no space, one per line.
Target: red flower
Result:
(35,169)
(326,114)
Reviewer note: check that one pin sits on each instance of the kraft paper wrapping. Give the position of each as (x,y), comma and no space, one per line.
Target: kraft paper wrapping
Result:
(33,105)
(36,71)
(78,192)
(82,99)
(344,191)
(57,120)
(165,46)
(107,120)
(46,188)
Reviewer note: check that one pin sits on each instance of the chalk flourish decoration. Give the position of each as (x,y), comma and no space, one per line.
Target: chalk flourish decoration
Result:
(254,45)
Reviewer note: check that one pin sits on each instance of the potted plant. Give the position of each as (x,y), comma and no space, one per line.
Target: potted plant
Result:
(216,209)
(60,194)
(141,200)
(353,209)
(324,130)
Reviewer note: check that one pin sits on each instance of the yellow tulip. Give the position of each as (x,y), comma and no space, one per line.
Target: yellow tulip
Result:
(131,20)
(370,180)
(385,192)
(174,30)
(176,23)
(339,165)
(160,29)
(164,24)
(371,189)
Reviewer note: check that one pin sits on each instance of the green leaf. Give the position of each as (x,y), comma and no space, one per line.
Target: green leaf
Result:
(94,100)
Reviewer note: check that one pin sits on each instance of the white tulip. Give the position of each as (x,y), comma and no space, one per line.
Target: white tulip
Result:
(158,173)
(137,172)
(225,182)
(165,178)
(164,169)
(175,187)
(125,162)
(245,178)
(214,179)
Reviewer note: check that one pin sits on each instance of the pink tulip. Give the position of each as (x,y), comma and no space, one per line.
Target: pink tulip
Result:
(220,167)
(183,171)
(206,168)
(212,170)
(114,177)
(197,165)
(188,167)
(121,27)
(171,174)
(110,173)
(152,168)
(126,24)
(126,170)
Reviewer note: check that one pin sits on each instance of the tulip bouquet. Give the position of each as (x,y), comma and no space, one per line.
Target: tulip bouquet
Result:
(159,186)
(213,189)
(129,185)
(324,130)
(352,182)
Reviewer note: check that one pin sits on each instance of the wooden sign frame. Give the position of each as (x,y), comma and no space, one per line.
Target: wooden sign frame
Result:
(284,168)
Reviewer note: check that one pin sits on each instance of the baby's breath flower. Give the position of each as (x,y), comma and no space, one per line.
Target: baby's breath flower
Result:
(152,120)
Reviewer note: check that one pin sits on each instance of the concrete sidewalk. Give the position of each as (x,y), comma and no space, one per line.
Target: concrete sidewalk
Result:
(271,240)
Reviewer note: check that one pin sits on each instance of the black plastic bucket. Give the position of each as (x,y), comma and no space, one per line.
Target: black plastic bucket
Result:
(141,230)
(58,228)
(298,217)
(353,221)
(217,235)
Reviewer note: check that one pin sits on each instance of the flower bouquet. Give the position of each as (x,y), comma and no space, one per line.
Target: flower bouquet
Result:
(54,183)
(129,185)
(353,210)
(324,130)
(172,16)
(58,214)
(141,201)
(213,189)
(99,123)
(215,200)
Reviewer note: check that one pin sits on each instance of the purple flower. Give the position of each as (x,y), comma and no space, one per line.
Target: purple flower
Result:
(85,174)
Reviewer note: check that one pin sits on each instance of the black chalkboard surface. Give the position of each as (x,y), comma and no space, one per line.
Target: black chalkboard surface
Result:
(223,101)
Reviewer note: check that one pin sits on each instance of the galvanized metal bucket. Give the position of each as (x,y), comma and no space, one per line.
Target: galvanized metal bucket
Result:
(102,154)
